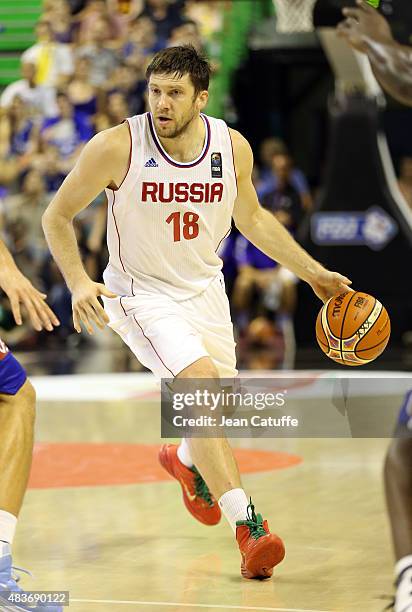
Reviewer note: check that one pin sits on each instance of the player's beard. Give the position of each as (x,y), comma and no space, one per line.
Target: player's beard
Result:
(180,127)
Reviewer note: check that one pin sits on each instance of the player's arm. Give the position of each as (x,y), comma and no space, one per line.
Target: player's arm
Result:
(21,292)
(103,162)
(261,228)
(366,30)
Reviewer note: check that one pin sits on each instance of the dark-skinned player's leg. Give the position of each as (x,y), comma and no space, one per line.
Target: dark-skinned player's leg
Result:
(398,489)
(17,414)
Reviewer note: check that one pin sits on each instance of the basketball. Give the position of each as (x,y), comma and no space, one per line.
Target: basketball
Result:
(353,328)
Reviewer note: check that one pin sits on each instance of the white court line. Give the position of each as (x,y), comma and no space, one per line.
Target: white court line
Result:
(190,605)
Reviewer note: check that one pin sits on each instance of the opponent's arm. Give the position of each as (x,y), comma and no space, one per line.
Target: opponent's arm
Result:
(21,292)
(261,228)
(103,162)
(366,30)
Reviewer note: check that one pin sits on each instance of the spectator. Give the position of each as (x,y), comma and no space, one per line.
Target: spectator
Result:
(117,109)
(81,93)
(60,142)
(186,33)
(96,10)
(283,199)
(268,148)
(53,166)
(264,298)
(57,12)
(9,166)
(141,41)
(255,273)
(123,12)
(68,130)
(165,16)
(267,180)
(53,60)
(405,179)
(20,129)
(42,100)
(28,207)
(103,60)
(132,85)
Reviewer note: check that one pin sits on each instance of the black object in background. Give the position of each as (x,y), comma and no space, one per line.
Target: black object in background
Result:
(355,181)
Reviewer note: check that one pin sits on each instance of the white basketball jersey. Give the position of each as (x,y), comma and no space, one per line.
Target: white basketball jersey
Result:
(167,219)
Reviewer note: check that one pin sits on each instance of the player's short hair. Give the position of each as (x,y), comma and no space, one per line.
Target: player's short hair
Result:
(179,61)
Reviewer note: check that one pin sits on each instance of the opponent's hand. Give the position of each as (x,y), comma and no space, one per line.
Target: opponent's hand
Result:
(327,284)
(21,292)
(362,24)
(86,307)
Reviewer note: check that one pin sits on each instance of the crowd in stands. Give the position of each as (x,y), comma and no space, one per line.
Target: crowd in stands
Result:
(262,293)
(84,74)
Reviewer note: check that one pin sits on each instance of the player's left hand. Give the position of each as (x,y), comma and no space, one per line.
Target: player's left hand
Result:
(364,24)
(327,284)
(21,293)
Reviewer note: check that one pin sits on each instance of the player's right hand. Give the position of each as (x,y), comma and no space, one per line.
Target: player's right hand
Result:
(87,309)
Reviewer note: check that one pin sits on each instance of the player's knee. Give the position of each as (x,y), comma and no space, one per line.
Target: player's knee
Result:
(203,368)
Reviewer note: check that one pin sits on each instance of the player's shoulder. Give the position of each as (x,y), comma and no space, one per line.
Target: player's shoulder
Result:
(111,143)
(118,135)
(242,151)
(240,142)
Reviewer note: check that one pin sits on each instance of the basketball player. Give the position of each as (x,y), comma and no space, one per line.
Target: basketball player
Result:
(368,31)
(17,412)
(174,178)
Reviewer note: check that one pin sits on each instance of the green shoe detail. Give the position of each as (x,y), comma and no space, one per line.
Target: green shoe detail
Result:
(201,488)
(254,522)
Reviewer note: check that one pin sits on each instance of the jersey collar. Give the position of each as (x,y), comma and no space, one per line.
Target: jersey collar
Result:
(167,157)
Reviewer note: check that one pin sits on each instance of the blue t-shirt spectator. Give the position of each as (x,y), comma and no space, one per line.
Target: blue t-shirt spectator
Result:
(67,130)
(246,254)
(268,182)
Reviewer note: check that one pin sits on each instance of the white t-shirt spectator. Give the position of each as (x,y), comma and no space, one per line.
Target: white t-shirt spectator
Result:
(41,99)
(51,61)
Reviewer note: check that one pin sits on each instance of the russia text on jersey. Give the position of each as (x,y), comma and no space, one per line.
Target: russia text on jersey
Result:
(197,193)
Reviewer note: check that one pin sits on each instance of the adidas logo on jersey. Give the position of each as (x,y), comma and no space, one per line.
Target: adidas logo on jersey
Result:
(151,163)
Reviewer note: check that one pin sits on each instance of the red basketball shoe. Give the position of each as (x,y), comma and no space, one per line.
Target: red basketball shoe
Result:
(196,495)
(260,549)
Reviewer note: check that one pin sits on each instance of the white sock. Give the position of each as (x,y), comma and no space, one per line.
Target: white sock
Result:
(183,453)
(234,505)
(403,593)
(8,524)
(403,564)
(5,549)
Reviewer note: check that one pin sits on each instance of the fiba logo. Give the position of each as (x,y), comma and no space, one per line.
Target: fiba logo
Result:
(373,228)
(216,165)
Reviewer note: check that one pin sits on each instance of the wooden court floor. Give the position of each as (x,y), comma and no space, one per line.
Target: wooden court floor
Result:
(103,521)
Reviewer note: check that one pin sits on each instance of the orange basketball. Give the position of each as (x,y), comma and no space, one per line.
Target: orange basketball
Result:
(353,328)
